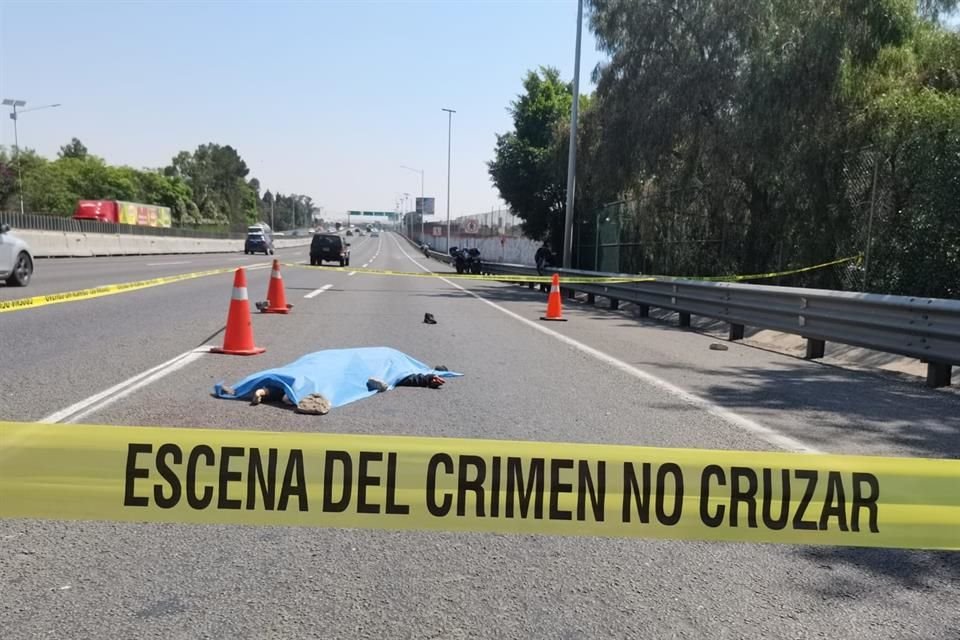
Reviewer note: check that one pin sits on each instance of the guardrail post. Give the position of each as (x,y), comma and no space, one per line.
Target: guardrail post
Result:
(736,332)
(614,304)
(938,374)
(684,319)
(591,298)
(571,294)
(644,310)
(815,349)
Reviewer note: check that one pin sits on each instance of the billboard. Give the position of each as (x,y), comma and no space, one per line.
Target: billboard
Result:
(426,206)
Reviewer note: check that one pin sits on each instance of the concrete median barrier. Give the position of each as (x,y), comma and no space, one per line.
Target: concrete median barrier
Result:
(58,244)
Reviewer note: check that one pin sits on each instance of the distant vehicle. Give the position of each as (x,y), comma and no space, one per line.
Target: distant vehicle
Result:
(16,260)
(374,234)
(117,212)
(349,233)
(329,247)
(259,238)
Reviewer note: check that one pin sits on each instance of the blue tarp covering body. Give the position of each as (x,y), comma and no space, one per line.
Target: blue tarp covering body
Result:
(339,374)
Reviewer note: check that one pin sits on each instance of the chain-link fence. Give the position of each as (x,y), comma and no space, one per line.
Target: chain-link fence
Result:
(708,231)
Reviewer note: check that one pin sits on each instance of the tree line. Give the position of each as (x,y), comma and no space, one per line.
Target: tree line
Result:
(749,136)
(209,187)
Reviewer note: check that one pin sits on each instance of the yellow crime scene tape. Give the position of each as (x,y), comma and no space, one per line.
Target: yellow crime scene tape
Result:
(205,476)
(620,279)
(105,290)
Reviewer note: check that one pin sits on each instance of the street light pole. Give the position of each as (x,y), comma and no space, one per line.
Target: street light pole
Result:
(16,137)
(572,159)
(423,200)
(450,113)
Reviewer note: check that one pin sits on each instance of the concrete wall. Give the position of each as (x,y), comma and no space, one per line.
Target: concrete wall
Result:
(58,244)
(514,250)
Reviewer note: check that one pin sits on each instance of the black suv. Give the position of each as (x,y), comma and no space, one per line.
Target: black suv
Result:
(329,247)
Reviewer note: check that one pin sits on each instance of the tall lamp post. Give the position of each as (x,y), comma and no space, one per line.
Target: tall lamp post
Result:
(14,115)
(450,113)
(572,158)
(423,204)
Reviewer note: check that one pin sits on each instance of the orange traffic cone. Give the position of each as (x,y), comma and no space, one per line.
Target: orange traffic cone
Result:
(554,305)
(276,296)
(238,338)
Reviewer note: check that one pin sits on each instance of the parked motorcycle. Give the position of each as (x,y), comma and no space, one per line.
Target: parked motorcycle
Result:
(466,260)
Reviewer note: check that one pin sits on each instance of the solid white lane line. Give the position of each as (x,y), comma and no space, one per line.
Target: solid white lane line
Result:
(316,292)
(167,264)
(767,434)
(79,410)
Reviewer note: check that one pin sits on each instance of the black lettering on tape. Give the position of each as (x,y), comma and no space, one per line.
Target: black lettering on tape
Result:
(798,522)
(227,476)
(834,504)
(740,495)
(195,501)
(672,469)
(868,500)
(597,492)
(474,485)
(442,509)
(534,487)
(631,489)
(557,487)
(168,474)
(716,518)
(392,506)
(133,472)
(267,483)
(495,487)
(329,504)
(778,523)
(294,482)
(364,480)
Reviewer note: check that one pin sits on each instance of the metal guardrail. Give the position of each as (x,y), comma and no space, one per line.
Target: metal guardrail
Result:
(923,328)
(42,222)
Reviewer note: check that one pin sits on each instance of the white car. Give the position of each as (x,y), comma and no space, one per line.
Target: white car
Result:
(16,261)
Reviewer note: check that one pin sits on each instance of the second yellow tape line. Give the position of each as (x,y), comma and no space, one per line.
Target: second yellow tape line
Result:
(33,302)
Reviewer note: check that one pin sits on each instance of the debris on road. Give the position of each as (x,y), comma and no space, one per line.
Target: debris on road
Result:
(717,346)
(429,319)
(320,381)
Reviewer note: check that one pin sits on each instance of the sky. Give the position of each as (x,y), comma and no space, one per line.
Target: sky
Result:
(322,98)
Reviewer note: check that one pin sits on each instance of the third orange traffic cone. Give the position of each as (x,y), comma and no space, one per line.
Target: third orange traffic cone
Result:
(238,338)
(276,296)
(554,305)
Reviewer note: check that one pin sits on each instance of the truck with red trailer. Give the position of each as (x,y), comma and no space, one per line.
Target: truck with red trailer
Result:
(118,212)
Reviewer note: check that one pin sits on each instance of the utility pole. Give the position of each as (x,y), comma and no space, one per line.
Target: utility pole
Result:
(450,113)
(572,158)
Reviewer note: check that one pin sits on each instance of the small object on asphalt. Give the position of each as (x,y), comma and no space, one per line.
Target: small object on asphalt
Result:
(429,319)
(716,346)
(374,384)
(314,404)
(262,306)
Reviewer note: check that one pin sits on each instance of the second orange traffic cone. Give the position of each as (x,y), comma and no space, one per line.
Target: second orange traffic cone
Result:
(554,305)
(238,338)
(276,296)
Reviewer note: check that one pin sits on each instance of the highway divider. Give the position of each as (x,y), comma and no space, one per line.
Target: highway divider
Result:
(205,476)
(68,244)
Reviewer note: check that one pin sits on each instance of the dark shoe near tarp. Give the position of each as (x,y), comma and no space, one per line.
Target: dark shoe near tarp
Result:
(340,376)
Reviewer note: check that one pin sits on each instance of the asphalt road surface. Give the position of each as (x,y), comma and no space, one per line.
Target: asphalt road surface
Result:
(602,377)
